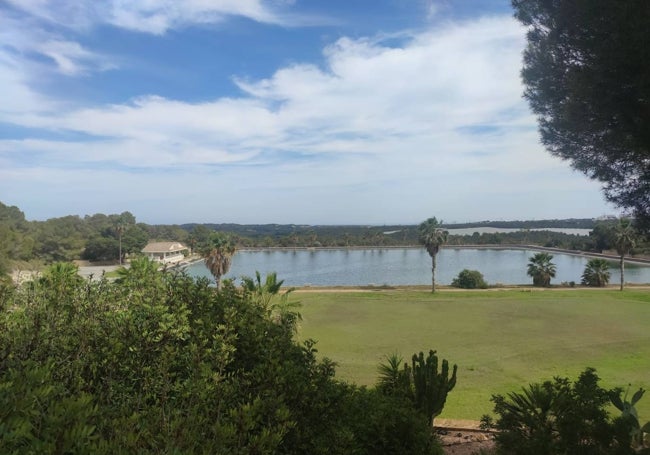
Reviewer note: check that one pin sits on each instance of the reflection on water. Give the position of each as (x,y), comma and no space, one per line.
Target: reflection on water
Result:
(404,266)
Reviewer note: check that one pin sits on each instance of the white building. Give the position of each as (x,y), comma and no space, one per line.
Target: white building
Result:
(166,252)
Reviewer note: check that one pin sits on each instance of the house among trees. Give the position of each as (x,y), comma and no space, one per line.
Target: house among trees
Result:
(166,252)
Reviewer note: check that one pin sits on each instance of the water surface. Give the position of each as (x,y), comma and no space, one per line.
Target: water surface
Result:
(405,266)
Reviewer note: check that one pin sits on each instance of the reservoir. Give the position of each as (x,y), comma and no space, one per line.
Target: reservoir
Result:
(405,266)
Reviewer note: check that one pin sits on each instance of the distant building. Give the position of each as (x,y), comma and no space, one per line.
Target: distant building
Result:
(166,252)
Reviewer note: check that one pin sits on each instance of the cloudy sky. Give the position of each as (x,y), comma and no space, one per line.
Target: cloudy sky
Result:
(274,111)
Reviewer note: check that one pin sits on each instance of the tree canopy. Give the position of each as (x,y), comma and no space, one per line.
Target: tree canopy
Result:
(587,76)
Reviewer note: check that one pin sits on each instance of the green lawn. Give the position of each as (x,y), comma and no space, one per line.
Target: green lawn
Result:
(500,339)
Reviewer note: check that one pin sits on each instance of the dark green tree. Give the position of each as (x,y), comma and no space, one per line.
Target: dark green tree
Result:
(134,239)
(602,237)
(586,75)
(469,279)
(199,237)
(432,236)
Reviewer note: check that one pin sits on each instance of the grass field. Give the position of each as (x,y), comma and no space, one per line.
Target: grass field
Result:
(500,339)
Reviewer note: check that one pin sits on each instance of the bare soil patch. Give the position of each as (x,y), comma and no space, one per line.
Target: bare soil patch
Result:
(463,437)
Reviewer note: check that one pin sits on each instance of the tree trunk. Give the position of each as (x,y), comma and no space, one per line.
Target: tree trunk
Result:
(433,273)
(622,271)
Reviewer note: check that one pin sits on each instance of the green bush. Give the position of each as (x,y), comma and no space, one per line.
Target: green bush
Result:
(560,417)
(469,279)
(162,363)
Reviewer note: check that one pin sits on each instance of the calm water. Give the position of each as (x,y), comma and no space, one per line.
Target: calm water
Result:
(405,266)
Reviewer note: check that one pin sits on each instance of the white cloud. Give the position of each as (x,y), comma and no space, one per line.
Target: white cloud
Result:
(30,54)
(71,58)
(152,16)
(370,99)
(437,121)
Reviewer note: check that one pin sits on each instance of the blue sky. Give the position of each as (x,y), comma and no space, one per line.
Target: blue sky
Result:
(279,111)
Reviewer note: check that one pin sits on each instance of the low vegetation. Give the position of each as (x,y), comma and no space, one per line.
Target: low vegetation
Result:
(562,417)
(469,279)
(161,363)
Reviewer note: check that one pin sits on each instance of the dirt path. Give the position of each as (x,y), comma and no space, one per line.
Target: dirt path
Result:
(463,437)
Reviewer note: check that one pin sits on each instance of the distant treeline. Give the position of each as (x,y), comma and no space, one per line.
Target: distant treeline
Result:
(298,236)
(571,223)
(98,237)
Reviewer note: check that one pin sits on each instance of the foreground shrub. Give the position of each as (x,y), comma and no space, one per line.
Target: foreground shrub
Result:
(469,279)
(422,382)
(162,363)
(640,434)
(560,417)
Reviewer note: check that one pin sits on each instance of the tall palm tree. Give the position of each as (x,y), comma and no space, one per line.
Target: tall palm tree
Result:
(432,236)
(119,230)
(624,240)
(596,273)
(218,256)
(541,269)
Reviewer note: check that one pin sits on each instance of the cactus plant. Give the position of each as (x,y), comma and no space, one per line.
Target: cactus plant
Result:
(629,413)
(430,385)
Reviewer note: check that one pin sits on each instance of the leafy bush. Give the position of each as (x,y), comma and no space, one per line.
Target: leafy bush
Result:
(162,363)
(560,417)
(469,279)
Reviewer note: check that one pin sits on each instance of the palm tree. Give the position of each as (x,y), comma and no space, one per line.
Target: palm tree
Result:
(218,256)
(432,236)
(119,230)
(393,380)
(281,310)
(263,292)
(596,273)
(541,269)
(624,240)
